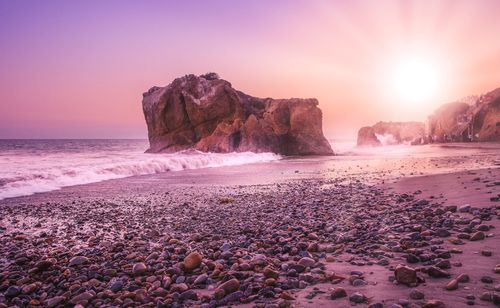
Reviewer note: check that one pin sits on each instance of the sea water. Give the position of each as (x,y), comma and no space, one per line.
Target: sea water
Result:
(31,166)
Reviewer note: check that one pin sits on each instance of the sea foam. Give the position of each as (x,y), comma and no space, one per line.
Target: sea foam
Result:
(27,170)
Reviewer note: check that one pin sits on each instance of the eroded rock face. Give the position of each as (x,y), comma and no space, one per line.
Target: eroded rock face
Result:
(444,124)
(386,133)
(479,121)
(206,113)
(367,137)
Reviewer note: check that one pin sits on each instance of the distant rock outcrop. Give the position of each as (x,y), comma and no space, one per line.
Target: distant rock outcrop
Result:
(458,122)
(206,113)
(387,133)
(367,137)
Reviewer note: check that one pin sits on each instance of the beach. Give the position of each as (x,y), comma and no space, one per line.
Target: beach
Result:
(371,228)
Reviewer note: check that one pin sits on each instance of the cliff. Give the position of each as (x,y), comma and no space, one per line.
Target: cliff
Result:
(458,121)
(206,113)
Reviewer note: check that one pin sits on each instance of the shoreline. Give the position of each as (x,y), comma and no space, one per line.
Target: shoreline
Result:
(298,229)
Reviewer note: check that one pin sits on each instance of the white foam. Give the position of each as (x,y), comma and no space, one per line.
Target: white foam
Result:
(386,139)
(28,174)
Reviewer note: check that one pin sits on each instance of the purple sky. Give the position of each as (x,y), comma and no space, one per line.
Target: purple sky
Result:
(77,69)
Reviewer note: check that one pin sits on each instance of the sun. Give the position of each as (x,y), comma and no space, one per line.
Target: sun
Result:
(415,80)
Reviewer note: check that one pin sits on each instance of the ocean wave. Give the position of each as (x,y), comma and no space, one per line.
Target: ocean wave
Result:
(56,172)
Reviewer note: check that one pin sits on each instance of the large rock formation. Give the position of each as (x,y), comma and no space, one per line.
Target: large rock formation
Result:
(367,137)
(387,133)
(205,113)
(475,121)
(445,123)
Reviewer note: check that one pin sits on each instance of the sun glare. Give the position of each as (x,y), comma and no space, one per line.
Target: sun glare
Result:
(415,80)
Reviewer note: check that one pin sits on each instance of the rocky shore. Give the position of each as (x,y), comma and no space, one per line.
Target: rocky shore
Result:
(317,241)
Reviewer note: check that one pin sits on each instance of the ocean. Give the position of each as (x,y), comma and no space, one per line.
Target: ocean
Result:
(32,166)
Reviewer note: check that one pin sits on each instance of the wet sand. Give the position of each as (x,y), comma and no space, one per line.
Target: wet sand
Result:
(270,235)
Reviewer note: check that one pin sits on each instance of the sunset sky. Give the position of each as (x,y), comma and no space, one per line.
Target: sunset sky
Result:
(77,69)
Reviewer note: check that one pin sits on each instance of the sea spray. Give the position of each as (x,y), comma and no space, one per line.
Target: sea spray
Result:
(29,167)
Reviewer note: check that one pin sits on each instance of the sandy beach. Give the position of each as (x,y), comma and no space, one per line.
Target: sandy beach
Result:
(378,230)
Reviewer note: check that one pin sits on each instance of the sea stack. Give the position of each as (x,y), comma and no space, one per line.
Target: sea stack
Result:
(206,113)
(388,133)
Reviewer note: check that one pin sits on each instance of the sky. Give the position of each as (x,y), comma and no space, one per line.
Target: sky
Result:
(77,69)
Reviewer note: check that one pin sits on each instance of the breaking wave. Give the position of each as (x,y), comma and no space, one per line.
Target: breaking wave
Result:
(28,173)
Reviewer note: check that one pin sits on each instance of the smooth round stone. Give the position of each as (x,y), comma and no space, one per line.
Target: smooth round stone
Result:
(227,287)
(139,268)
(479,235)
(403,302)
(201,279)
(338,293)
(463,278)
(78,260)
(486,279)
(225,247)
(43,265)
(306,262)
(452,285)
(411,258)
(417,294)
(483,228)
(13,291)
(486,253)
(189,295)
(358,282)
(116,286)
(442,232)
(55,301)
(357,297)
(193,260)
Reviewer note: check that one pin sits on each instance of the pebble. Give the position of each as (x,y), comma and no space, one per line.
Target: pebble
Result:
(82,297)
(477,236)
(330,259)
(443,232)
(463,278)
(486,296)
(357,297)
(486,253)
(338,292)
(13,291)
(227,287)
(139,268)
(189,295)
(179,287)
(78,260)
(437,273)
(116,286)
(464,208)
(405,275)
(43,265)
(306,262)
(201,279)
(192,260)
(124,261)
(270,273)
(55,301)
(416,294)
(433,303)
(452,285)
